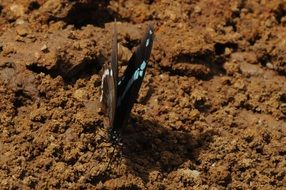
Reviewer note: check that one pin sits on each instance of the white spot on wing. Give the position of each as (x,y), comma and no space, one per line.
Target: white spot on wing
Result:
(147,42)
(150,32)
(106,72)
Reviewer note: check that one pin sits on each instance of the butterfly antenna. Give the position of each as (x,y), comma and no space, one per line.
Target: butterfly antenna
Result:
(114,53)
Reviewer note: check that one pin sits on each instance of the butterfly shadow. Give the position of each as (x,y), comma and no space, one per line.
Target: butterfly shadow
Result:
(148,147)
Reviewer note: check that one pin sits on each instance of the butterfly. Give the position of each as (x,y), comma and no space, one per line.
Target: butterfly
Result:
(118,95)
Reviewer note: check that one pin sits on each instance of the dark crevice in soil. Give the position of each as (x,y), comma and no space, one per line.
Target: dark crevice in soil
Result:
(202,106)
(21,98)
(280,12)
(94,12)
(1,8)
(72,161)
(266,58)
(254,39)
(149,1)
(34,5)
(40,69)
(283,98)
(98,178)
(58,152)
(231,22)
(249,107)
(220,47)
(130,44)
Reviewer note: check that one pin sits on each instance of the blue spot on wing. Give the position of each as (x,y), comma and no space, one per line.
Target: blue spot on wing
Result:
(143,65)
(141,73)
(136,75)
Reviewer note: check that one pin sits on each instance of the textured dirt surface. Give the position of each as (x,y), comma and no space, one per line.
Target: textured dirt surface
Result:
(211,113)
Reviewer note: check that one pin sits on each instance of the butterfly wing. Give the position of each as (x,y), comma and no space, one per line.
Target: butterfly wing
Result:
(109,83)
(132,79)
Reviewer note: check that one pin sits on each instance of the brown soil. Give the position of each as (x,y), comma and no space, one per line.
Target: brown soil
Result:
(211,113)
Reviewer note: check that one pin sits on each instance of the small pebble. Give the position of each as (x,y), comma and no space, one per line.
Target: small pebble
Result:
(269,65)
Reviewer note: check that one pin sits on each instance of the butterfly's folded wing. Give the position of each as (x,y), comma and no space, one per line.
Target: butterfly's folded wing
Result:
(130,84)
(109,83)
(141,54)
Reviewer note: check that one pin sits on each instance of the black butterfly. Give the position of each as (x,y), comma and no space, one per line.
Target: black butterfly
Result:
(119,95)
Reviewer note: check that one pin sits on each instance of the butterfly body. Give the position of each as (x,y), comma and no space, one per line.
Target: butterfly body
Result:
(119,96)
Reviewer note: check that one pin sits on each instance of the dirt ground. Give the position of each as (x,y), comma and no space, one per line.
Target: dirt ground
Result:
(211,113)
